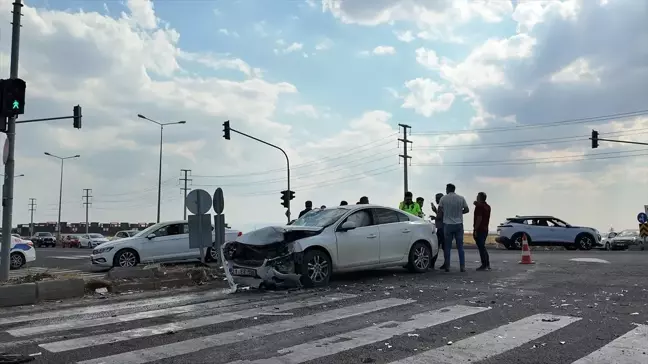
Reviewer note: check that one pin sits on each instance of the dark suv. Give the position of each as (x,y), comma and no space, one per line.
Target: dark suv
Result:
(43,240)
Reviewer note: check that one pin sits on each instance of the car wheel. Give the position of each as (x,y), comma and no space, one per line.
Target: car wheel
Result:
(126,258)
(516,242)
(316,268)
(420,257)
(584,242)
(16,260)
(212,256)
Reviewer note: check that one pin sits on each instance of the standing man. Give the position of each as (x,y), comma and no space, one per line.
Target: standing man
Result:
(309,207)
(438,222)
(420,201)
(480,229)
(454,207)
(409,206)
(343,203)
(364,200)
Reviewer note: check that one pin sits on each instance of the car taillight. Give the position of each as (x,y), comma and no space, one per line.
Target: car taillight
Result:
(240,233)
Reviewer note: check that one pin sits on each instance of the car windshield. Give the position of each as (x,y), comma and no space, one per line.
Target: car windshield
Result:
(132,233)
(320,218)
(629,233)
(96,236)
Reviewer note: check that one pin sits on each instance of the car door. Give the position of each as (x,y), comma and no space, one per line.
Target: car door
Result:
(360,246)
(561,232)
(395,234)
(540,230)
(166,243)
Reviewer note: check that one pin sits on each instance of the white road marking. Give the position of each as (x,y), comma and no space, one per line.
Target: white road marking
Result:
(493,342)
(589,260)
(366,336)
(71,257)
(631,348)
(113,337)
(76,323)
(247,333)
(179,299)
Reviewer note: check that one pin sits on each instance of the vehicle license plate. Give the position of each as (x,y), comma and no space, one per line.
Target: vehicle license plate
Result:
(243,272)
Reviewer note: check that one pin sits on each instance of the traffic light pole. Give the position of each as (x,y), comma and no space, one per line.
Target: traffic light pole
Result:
(287,163)
(620,141)
(46,119)
(7,191)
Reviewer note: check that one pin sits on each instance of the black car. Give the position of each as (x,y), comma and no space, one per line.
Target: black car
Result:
(43,240)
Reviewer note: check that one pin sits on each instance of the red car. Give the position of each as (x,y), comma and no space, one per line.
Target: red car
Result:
(71,241)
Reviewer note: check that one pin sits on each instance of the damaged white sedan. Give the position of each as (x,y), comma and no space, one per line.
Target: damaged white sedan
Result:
(331,240)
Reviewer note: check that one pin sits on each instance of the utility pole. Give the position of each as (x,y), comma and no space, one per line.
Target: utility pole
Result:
(7,191)
(32,208)
(186,172)
(87,203)
(406,158)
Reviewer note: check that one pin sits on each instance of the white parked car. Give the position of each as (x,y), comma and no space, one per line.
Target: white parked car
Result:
(125,234)
(163,242)
(547,231)
(607,239)
(326,241)
(91,240)
(22,252)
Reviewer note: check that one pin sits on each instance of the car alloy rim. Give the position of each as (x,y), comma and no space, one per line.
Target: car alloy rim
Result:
(518,242)
(213,253)
(318,269)
(127,259)
(421,258)
(16,261)
(585,242)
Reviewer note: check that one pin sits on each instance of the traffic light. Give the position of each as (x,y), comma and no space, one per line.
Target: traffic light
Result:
(13,97)
(595,139)
(291,195)
(3,124)
(285,198)
(226,130)
(77,117)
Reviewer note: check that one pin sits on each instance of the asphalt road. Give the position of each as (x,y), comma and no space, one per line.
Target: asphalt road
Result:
(555,311)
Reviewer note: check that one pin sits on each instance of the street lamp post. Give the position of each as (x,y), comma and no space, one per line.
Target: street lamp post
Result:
(162,125)
(20,175)
(58,223)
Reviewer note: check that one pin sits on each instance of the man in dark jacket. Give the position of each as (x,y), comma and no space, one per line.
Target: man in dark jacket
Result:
(309,207)
(438,222)
(480,229)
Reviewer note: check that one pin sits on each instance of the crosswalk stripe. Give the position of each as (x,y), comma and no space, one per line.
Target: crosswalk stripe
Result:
(493,342)
(81,323)
(368,335)
(130,305)
(247,333)
(631,348)
(114,337)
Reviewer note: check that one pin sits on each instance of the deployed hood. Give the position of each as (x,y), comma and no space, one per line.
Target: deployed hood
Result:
(276,234)
(109,243)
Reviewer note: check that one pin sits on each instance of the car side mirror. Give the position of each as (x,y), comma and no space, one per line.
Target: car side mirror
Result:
(348,225)
(150,236)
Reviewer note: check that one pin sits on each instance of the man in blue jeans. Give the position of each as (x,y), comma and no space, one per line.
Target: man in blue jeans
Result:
(454,207)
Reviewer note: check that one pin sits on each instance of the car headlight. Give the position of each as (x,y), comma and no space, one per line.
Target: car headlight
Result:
(102,250)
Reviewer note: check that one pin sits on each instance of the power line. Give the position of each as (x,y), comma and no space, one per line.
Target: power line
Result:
(546,160)
(306,164)
(304,176)
(523,143)
(542,125)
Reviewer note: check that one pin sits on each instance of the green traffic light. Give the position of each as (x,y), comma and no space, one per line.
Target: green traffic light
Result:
(16,104)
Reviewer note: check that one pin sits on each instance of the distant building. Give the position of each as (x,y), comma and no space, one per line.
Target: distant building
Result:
(107,229)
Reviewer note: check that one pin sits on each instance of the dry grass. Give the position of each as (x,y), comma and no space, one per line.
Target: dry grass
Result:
(468,239)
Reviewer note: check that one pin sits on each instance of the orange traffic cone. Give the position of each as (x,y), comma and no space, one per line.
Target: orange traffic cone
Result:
(526,252)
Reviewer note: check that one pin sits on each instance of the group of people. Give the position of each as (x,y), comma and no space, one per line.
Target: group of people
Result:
(449,223)
(448,220)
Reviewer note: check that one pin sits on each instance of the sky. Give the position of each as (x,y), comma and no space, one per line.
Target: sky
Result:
(501,97)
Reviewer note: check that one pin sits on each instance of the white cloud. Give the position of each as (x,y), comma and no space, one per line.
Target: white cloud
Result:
(427,97)
(577,71)
(293,47)
(384,50)
(306,110)
(405,36)
(228,32)
(324,45)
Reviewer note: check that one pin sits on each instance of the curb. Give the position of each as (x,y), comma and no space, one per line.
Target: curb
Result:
(157,284)
(30,293)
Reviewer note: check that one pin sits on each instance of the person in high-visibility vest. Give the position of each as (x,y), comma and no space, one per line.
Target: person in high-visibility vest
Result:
(408,205)
(420,201)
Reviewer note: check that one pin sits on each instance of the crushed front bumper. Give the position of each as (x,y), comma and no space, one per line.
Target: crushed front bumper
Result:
(267,274)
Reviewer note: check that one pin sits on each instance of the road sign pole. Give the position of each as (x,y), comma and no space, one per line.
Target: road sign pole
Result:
(200,230)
